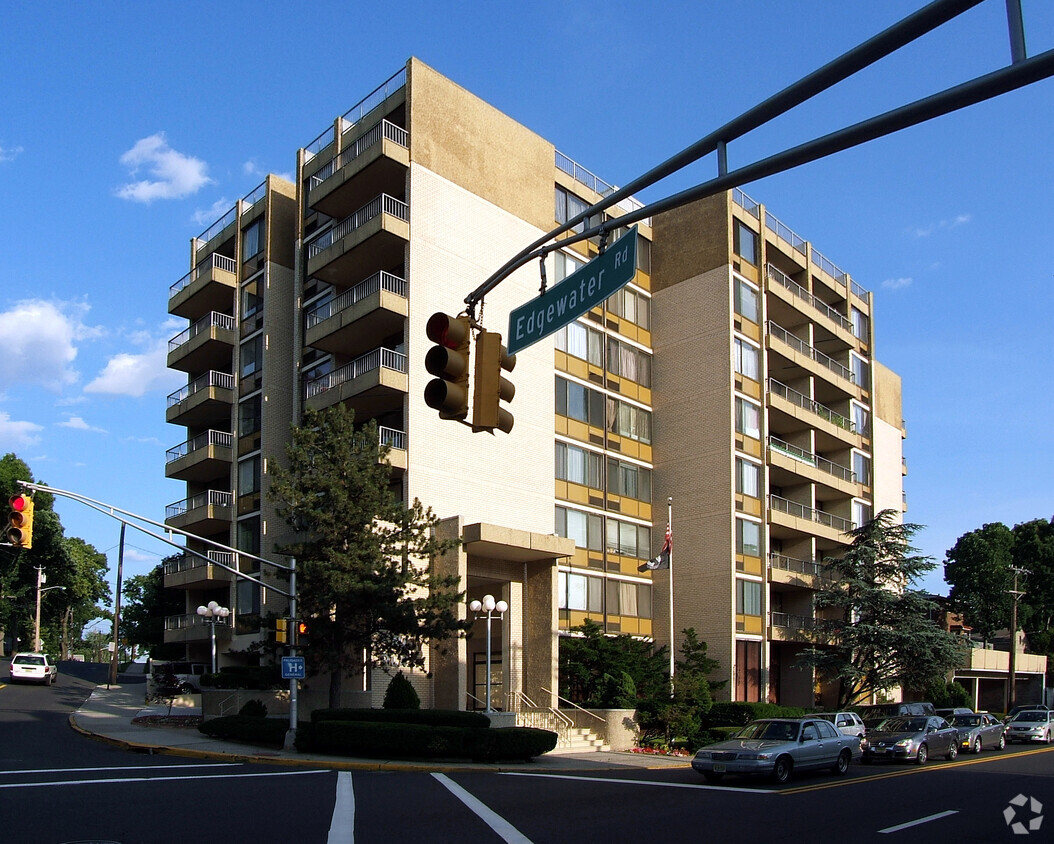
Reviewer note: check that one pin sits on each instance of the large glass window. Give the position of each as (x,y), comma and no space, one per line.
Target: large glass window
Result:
(861,323)
(860,371)
(249,416)
(861,419)
(745,242)
(580,592)
(862,468)
(748,538)
(747,357)
(748,418)
(564,265)
(628,539)
(582,342)
(629,479)
(252,297)
(578,465)
(747,303)
(632,306)
(629,362)
(569,206)
(586,529)
(748,597)
(252,356)
(252,240)
(748,478)
(861,513)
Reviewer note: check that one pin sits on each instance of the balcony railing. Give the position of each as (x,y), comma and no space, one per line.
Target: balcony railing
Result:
(806,403)
(213,230)
(791,622)
(377,359)
(362,290)
(392,437)
(804,348)
(223,380)
(810,459)
(354,114)
(215,260)
(385,130)
(383,204)
(580,174)
(207,322)
(189,620)
(212,498)
(810,514)
(784,563)
(785,233)
(223,439)
(188,562)
(785,280)
(746,203)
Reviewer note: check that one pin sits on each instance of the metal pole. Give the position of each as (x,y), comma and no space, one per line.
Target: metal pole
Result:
(1011,695)
(669,523)
(488,660)
(1016,22)
(117,614)
(212,641)
(36,625)
(294,684)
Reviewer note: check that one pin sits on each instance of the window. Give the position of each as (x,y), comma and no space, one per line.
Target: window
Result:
(581,342)
(569,206)
(746,300)
(579,402)
(629,479)
(629,362)
(861,323)
(748,418)
(861,513)
(862,468)
(861,419)
(584,528)
(748,597)
(252,356)
(748,478)
(745,243)
(564,265)
(249,416)
(580,592)
(860,371)
(252,240)
(578,466)
(632,306)
(748,538)
(252,298)
(628,539)
(628,420)
(249,485)
(747,356)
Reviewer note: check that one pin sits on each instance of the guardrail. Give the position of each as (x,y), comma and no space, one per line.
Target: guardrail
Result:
(385,130)
(782,334)
(215,260)
(810,459)
(211,498)
(223,439)
(805,403)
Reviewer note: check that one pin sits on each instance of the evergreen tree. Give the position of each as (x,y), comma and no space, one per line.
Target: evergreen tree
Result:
(364,574)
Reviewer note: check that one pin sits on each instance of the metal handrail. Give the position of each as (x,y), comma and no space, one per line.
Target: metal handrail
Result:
(217,227)
(785,563)
(785,232)
(801,511)
(378,95)
(214,261)
(376,359)
(223,439)
(384,130)
(810,459)
(575,705)
(212,498)
(778,275)
(749,205)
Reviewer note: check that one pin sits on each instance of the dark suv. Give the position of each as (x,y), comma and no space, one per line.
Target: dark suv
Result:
(877,712)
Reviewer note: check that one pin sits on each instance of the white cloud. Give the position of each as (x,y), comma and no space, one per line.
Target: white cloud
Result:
(15,434)
(175,175)
(896,283)
(943,225)
(37,342)
(78,424)
(250,168)
(208,216)
(9,153)
(128,374)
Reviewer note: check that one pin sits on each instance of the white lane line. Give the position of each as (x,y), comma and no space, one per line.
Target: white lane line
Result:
(156,779)
(910,824)
(119,768)
(342,826)
(502,827)
(694,786)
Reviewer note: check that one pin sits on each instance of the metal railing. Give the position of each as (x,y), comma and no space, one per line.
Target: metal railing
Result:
(810,514)
(785,280)
(785,233)
(383,204)
(828,266)
(353,115)
(254,196)
(385,130)
(217,227)
(810,459)
(376,359)
(791,622)
(782,334)
(211,498)
(804,402)
(746,203)
(376,282)
(193,561)
(223,380)
(785,563)
(210,320)
(188,620)
(858,290)
(223,439)
(392,437)
(214,261)
(583,176)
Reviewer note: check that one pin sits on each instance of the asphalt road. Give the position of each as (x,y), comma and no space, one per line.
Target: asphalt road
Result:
(58,786)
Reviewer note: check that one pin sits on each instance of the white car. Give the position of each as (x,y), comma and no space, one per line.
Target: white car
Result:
(34,668)
(847,723)
(1031,725)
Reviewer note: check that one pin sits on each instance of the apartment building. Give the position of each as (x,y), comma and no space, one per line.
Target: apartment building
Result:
(701,380)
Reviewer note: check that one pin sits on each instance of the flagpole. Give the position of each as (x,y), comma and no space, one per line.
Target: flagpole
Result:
(669,527)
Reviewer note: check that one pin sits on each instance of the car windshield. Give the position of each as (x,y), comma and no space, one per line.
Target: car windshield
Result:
(902,725)
(966,721)
(769,730)
(1031,715)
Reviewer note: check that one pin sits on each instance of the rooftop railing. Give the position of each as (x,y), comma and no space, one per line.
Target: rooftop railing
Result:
(785,280)
(811,514)
(214,261)
(806,403)
(385,130)
(804,348)
(785,233)
(222,439)
(353,115)
(254,196)
(211,498)
(213,230)
(810,459)
(377,359)
(223,380)
(583,176)
(746,203)
(210,320)
(364,289)
(382,204)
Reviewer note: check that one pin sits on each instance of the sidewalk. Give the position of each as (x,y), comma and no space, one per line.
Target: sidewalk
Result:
(108,714)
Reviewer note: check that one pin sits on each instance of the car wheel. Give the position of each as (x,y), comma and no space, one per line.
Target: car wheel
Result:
(953,751)
(1001,743)
(842,765)
(712,776)
(1046,737)
(976,745)
(922,755)
(49,680)
(781,772)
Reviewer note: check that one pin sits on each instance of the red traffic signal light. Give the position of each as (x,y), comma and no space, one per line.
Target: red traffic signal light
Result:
(448,362)
(20,521)
(303,638)
(490,387)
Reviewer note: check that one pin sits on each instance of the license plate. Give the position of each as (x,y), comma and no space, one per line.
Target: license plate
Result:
(719,767)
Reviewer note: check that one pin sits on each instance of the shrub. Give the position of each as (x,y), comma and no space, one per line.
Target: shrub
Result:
(401,694)
(737,713)
(418,741)
(259,677)
(428,717)
(254,708)
(252,730)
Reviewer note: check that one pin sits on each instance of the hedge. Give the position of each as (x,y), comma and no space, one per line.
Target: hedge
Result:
(427,717)
(737,713)
(248,728)
(245,677)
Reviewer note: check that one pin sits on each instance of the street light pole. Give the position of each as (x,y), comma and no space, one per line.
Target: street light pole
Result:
(210,615)
(1016,595)
(41,580)
(488,603)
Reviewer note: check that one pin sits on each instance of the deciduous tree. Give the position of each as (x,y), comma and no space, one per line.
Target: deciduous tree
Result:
(978,569)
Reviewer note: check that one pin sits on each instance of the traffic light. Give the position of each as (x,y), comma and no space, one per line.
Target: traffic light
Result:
(281,630)
(490,387)
(303,639)
(20,521)
(448,361)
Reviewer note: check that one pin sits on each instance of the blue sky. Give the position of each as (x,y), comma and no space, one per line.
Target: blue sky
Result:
(126,129)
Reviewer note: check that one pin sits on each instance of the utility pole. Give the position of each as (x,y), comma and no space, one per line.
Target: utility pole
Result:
(1016,595)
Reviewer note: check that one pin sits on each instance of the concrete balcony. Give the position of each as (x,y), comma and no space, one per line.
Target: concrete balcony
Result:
(349,323)
(191,628)
(192,572)
(204,403)
(372,384)
(204,514)
(790,410)
(791,465)
(789,519)
(210,286)
(373,238)
(208,344)
(803,358)
(203,458)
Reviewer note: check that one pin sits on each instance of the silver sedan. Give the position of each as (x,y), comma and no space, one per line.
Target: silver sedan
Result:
(915,738)
(979,730)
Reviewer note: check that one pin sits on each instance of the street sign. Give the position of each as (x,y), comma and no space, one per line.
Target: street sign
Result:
(293,668)
(585,288)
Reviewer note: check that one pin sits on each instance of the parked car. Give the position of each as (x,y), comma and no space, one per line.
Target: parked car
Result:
(877,712)
(776,747)
(1021,708)
(914,738)
(848,723)
(33,668)
(979,730)
(182,677)
(952,711)
(1031,725)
